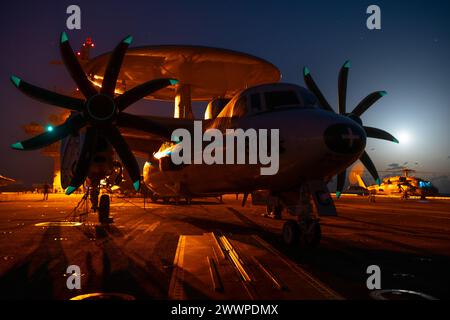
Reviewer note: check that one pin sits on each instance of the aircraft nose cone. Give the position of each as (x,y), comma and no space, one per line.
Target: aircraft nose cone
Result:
(345,138)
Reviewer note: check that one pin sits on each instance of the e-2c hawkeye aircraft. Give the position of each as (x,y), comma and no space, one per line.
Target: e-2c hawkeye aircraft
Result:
(316,143)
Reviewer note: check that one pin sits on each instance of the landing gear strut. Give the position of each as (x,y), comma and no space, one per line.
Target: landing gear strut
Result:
(274,211)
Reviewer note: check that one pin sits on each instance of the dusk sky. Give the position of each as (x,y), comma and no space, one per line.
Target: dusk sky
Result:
(409,58)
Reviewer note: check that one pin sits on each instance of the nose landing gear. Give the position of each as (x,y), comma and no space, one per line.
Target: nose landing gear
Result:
(304,231)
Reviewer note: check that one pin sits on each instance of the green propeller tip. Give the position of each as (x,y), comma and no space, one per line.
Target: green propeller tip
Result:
(17,146)
(173,81)
(378,181)
(136,185)
(70,190)
(396,141)
(338,194)
(16,80)
(383,93)
(128,40)
(306,71)
(64,37)
(347,64)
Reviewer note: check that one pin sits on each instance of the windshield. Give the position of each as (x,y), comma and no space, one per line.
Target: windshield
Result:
(275,99)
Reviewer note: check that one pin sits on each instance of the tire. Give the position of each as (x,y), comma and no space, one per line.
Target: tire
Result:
(291,233)
(103,209)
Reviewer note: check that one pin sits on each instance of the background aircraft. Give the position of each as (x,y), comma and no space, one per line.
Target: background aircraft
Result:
(403,186)
(316,143)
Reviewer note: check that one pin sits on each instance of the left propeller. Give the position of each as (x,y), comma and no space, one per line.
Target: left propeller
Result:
(99,112)
(355,115)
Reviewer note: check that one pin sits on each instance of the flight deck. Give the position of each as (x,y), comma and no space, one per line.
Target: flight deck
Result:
(219,250)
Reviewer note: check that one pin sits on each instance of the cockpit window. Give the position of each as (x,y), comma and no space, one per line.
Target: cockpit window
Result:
(277,99)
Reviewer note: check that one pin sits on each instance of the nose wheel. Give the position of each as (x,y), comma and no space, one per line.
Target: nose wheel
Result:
(306,234)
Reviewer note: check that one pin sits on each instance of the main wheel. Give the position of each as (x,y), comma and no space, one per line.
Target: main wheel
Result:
(103,209)
(311,234)
(291,233)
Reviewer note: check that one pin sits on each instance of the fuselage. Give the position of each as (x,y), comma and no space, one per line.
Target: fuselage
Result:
(314,144)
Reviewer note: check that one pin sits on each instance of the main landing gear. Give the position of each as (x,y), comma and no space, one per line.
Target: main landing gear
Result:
(103,210)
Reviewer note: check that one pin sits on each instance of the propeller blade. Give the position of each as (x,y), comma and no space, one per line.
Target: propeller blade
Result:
(49,137)
(367,102)
(84,160)
(367,162)
(340,183)
(131,121)
(380,134)
(312,86)
(123,150)
(73,66)
(342,87)
(141,91)
(46,96)
(113,68)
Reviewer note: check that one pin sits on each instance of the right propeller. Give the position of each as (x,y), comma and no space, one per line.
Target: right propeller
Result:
(355,115)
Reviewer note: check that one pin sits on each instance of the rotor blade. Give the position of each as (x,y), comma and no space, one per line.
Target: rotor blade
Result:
(342,87)
(73,66)
(113,68)
(312,86)
(130,121)
(141,91)
(340,183)
(367,162)
(123,150)
(380,134)
(367,102)
(49,137)
(46,96)
(84,160)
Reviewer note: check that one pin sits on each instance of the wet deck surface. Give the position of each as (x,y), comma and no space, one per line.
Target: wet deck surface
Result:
(410,241)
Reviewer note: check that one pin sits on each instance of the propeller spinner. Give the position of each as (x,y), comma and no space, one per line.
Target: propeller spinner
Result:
(355,115)
(100,112)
